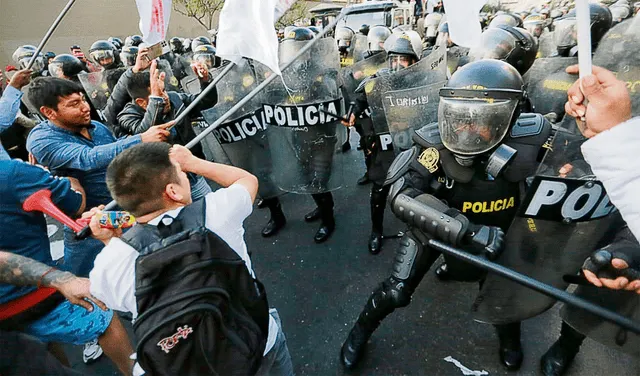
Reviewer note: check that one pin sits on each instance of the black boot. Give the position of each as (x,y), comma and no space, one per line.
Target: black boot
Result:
(378,201)
(327,225)
(557,360)
(313,215)
(277,221)
(510,348)
(379,306)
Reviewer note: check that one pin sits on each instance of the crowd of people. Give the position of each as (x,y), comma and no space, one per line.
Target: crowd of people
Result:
(91,129)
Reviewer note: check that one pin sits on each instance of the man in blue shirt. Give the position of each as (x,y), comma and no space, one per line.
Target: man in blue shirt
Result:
(10,103)
(69,143)
(48,316)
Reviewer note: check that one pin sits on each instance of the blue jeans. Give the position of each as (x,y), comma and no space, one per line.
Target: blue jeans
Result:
(277,362)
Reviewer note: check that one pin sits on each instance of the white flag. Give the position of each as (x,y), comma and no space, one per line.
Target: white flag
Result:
(464,21)
(247,30)
(154,19)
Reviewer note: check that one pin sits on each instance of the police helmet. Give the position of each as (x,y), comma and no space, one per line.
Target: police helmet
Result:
(506,19)
(478,106)
(431,23)
(343,36)
(133,40)
(535,24)
(187,44)
(401,51)
(176,45)
(566,30)
(443,35)
(199,41)
(66,66)
(376,37)
(117,42)
(205,54)
(513,45)
(49,56)
(316,30)
(103,53)
(555,14)
(129,55)
(364,29)
(22,56)
(299,34)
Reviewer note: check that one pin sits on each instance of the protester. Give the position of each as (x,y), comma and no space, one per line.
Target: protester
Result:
(24,355)
(70,143)
(611,150)
(153,105)
(10,102)
(34,310)
(150,182)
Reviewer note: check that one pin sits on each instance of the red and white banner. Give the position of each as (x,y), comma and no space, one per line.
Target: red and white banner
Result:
(154,19)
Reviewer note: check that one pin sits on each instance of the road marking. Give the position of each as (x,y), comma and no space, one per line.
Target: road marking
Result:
(465,371)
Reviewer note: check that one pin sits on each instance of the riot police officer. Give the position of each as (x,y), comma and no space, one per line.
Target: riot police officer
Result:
(66,66)
(117,43)
(344,36)
(23,55)
(129,55)
(199,41)
(133,40)
(177,47)
(431,24)
(205,56)
(514,45)
(478,154)
(104,54)
(566,31)
(401,54)
(375,40)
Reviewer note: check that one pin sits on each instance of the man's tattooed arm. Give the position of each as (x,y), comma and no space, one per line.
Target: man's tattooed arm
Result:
(23,271)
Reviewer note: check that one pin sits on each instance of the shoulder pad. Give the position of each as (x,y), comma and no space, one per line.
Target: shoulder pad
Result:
(401,165)
(528,125)
(428,136)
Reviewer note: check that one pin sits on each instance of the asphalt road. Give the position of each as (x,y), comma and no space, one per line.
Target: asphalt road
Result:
(320,289)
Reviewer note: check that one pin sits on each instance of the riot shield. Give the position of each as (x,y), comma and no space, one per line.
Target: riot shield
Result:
(547,83)
(626,303)
(387,91)
(95,85)
(301,132)
(546,45)
(359,47)
(191,84)
(561,221)
(352,76)
(242,140)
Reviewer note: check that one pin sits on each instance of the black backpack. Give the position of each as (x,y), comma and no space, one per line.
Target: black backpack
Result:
(200,310)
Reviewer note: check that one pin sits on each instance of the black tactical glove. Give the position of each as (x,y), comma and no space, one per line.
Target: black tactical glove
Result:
(487,239)
(600,261)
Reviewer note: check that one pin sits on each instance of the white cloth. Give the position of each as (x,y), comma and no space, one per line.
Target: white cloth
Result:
(113,275)
(464,21)
(258,42)
(613,157)
(154,19)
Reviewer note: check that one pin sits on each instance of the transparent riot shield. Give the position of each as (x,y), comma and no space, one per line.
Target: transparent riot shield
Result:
(563,218)
(243,140)
(547,84)
(387,89)
(96,87)
(302,130)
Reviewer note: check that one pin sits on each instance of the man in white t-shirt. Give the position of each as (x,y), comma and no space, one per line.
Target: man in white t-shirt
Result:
(158,188)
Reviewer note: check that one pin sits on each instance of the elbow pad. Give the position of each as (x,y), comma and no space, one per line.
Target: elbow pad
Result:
(431,216)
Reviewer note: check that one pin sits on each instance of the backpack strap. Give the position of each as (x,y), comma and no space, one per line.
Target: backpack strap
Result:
(192,216)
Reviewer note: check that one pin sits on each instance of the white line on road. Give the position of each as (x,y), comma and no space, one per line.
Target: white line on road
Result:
(465,371)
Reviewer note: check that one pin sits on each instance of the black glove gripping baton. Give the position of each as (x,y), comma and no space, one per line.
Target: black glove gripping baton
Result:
(211,127)
(538,286)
